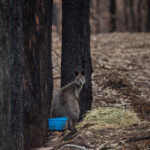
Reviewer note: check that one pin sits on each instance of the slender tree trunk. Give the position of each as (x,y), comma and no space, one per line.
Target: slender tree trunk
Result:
(148,16)
(139,16)
(37,79)
(112,10)
(76,46)
(125,15)
(98,12)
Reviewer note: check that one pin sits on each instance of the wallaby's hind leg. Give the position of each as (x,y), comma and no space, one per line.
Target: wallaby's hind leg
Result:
(72,128)
(70,135)
(70,124)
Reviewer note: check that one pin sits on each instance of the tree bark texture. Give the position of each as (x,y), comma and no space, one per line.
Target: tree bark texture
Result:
(148,16)
(76,47)
(4,76)
(11,100)
(37,78)
(16,74)
(25,72)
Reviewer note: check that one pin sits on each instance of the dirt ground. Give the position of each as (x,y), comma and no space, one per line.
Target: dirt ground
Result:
(121,78)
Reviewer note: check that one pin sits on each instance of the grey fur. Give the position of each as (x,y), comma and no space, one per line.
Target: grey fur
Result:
(66,101)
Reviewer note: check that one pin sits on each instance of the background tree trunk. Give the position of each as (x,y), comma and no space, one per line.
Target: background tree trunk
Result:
(37,79)
(76,46)
(148,16)
(121,24)
(116,15)
(112,10)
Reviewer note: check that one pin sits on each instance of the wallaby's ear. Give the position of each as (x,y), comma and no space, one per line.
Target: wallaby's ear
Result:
(76,73)
(83,72)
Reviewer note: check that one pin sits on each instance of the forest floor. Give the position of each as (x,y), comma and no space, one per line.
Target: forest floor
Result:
(121,78)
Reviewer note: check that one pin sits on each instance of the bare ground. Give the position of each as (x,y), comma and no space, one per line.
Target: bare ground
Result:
(121,78)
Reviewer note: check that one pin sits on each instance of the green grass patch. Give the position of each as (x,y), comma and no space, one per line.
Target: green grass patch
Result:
(109,117)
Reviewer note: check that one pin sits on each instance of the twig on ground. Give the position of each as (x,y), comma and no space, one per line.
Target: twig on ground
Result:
(56,78)
(57,54)
(73,145)
(138,139)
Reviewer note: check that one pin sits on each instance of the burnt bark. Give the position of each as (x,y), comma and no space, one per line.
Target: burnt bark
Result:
(139,16)
(76,47)
(148,17)
(4,76)
(11,100)
(16,74)
(132,15)
(37,79)
(112,10)
(25,72)
(125,15)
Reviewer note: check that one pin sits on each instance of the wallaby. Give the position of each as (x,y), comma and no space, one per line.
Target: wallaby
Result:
(66,101)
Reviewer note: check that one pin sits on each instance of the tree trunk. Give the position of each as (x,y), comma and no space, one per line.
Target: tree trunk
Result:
(148,17)
(112,10)
(120,16)
(132,15)
(4,76)
(37,79)
(139,16)
(76,47)
(25,72)
(11,100)
(16,74)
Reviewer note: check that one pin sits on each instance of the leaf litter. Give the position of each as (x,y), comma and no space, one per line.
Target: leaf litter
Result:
(121,82)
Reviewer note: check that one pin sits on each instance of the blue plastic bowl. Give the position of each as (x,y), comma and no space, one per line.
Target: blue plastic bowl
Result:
(57,124)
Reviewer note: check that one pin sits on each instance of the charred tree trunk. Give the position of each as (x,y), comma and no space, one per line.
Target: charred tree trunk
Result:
(11,100)
(76,46)
(112,10)
(139,16)
(25,72)
(16,74)
(132,15)
(4,76)
(148,16)
(125,15)
(37,79)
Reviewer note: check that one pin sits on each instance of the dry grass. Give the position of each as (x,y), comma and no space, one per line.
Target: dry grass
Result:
(109,117)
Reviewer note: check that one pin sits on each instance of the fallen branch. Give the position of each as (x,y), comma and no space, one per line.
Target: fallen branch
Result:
(57,54)
(138,139)
(70,135)
(102,146)
(106,146)
(56,78)
(58,146)
(73,145)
